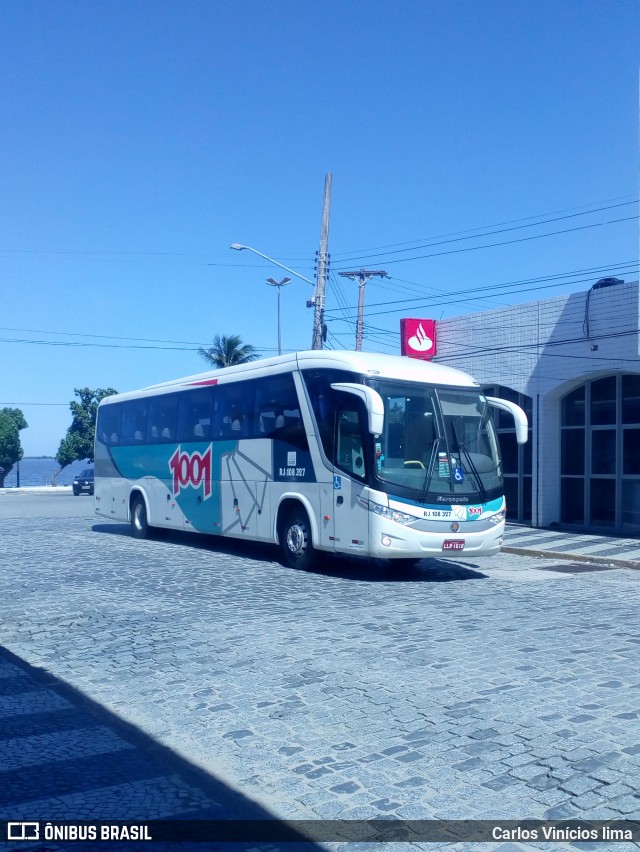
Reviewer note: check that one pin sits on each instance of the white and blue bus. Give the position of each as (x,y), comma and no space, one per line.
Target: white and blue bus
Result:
(341,452)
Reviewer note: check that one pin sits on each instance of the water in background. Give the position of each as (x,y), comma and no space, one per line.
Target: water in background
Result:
(39,472)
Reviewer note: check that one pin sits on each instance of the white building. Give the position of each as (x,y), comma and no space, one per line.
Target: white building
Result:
(573,363)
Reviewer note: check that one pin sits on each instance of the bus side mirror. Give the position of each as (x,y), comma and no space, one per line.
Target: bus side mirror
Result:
(372,400)
(522,424)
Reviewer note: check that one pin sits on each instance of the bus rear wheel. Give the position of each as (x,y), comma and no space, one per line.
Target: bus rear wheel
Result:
(295,540)
(139,522)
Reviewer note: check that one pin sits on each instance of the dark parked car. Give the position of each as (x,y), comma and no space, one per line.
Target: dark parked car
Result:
(83,484)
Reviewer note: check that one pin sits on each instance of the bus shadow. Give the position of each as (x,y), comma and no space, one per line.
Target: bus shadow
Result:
(388,571)
(352,568)
(113,529)
(199,541)
(64,755)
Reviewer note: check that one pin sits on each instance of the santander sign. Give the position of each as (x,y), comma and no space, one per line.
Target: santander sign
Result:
(418,338)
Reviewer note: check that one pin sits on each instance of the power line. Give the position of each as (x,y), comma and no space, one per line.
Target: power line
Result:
(454,239)
(461,234)
(592,270)
(470,351)
(528,349)
(340,299)
(621,267)
(100,336)
(525,348)
(353,254)
(76,344)
(510,242)
(426,301)
(182,345)
(430,301)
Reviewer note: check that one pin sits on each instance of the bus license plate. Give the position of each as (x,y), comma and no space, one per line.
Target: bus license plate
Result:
(453,544)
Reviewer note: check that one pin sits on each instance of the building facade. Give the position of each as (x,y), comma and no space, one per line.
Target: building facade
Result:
(573,363)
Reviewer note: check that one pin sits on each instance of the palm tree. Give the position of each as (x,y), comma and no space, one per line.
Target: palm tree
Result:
(228,351)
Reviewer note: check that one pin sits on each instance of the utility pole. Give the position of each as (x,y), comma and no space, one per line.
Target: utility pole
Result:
(322,271)
(362,276)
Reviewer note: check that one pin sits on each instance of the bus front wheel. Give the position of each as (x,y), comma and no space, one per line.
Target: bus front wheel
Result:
(295,540)
(139,523)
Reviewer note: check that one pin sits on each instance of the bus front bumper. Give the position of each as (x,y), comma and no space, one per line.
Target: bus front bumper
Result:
(390,540)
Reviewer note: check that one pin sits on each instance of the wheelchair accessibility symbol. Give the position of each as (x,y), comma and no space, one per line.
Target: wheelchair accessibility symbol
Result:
(458,474)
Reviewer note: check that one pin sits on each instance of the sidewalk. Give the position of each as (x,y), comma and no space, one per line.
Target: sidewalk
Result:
(579,547)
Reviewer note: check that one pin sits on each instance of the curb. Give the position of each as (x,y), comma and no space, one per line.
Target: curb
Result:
(571,557)
(37,489)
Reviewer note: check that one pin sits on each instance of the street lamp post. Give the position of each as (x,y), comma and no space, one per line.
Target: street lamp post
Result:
(240,247)
(279,284)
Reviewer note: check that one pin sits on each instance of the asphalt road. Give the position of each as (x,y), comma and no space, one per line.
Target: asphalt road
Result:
(504,688)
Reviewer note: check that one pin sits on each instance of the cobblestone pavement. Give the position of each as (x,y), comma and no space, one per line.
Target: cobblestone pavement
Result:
(496,689)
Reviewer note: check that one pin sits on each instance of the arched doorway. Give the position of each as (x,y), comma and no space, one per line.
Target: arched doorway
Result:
(600,454)
(516,458)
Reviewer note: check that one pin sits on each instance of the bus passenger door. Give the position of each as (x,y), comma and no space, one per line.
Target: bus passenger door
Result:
(351,519)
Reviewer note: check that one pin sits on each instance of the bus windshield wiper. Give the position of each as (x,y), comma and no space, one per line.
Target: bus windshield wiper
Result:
(429,474)
(474,470)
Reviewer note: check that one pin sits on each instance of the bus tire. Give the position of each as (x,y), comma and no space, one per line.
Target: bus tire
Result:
(139,522)
(296,541)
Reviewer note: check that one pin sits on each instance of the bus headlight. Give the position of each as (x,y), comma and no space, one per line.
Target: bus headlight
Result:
(386,512)
(498,518)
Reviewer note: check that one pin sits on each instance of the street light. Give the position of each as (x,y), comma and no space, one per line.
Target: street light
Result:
(279,285)
(239,247)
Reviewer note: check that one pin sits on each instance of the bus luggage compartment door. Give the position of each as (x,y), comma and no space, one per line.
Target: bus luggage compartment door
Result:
(241,511)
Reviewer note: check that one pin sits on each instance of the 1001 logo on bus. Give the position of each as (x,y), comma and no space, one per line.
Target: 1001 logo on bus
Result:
(191,471)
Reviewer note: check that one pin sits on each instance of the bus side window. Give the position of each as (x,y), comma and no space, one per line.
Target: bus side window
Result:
(324,401)
(349,445)
(194,415)
(108,427)
(163,411)
(278,411)
(134,421)
(237,410)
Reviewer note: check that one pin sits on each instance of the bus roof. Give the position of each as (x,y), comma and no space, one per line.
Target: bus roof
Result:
(367,363)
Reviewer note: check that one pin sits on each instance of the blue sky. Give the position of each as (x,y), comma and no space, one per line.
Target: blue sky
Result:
(139,139)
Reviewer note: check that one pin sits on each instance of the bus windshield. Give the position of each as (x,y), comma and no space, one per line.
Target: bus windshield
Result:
(436,441)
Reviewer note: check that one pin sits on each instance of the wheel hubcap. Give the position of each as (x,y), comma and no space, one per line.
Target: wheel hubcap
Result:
(296,540)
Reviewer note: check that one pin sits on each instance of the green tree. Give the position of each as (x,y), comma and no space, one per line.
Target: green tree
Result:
(11,422)
(228,351)
(78,442)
